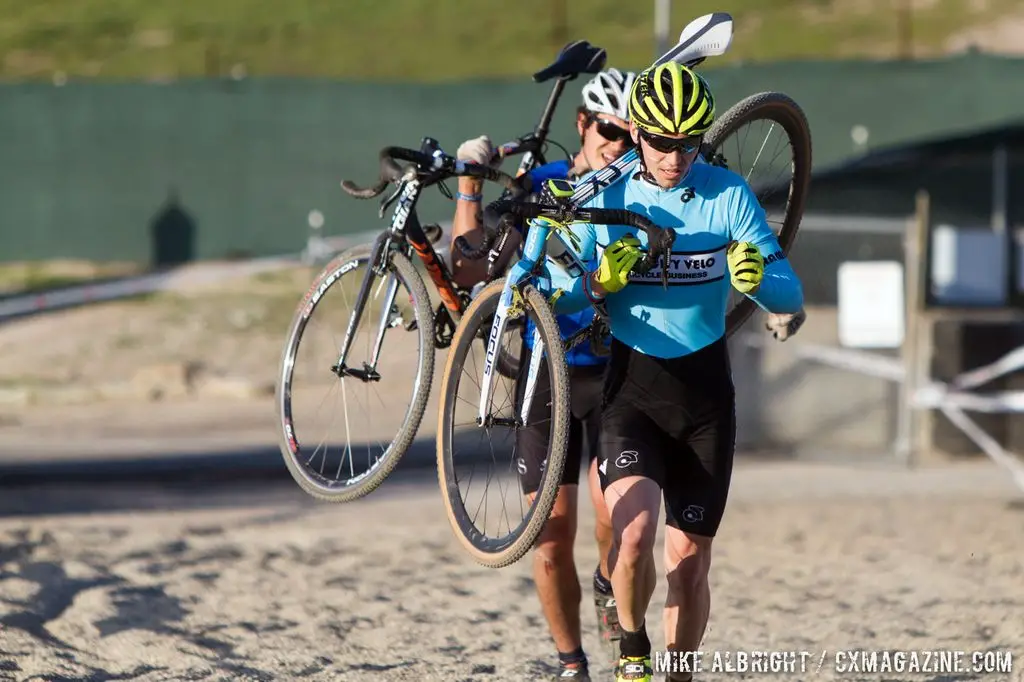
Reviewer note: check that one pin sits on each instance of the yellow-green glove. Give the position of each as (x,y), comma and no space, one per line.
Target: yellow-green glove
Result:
(616,262)
(746,267)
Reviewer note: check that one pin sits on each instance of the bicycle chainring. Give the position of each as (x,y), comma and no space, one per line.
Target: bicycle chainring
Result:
(444,327)
(599,333)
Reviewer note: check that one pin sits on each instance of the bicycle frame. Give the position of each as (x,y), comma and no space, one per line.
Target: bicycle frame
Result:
(532,264)
(405,228)
(406,231)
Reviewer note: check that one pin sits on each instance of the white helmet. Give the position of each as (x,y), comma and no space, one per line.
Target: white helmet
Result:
(608,93)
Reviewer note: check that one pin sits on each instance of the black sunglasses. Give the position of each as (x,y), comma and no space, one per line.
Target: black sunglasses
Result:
(610,131)
(667,145)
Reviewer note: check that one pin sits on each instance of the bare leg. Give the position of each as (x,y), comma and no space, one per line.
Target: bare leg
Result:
(605,608)
(633,503)
(554,572)
(687,564)
(603,521)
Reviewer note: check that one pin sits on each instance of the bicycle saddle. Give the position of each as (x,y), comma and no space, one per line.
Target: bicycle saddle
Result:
(575,58)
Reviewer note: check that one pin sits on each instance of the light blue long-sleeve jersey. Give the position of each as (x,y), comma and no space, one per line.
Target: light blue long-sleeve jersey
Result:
(709,209)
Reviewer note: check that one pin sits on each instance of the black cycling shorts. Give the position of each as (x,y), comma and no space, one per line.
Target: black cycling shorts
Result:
(673,421)
(586,384)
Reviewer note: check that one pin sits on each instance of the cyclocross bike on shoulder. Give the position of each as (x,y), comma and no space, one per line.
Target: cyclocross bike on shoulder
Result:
(526,288)
(329,470)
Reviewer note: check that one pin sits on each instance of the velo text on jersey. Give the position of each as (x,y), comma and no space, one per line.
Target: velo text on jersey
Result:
(684,267)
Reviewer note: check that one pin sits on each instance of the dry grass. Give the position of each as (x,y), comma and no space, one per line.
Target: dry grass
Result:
(442,40)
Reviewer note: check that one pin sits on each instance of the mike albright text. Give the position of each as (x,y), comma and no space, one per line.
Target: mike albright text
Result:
(731,661)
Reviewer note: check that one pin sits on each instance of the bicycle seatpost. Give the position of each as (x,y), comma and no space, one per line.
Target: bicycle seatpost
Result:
(544,124)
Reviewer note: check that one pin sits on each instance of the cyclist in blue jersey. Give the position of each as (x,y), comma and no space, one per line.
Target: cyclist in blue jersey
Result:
(604,136)
(668,421)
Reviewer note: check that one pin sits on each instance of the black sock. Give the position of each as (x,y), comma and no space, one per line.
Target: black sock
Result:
(576,656)
(601,584)
(635,644)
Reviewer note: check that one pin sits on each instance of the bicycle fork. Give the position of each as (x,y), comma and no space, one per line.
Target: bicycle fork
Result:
(369,370)
(509,302)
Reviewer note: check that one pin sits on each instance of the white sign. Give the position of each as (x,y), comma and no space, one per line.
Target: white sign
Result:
(871,304)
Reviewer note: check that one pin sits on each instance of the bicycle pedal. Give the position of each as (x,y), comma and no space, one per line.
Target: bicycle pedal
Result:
(412,325)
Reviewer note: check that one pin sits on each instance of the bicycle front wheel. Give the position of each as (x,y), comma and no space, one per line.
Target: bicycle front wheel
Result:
(345,428)
(465,446)
(766,139)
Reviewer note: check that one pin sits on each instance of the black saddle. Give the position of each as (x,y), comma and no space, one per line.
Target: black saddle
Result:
(575,58)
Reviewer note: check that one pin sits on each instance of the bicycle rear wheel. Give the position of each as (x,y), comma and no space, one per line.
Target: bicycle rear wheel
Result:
(501,547)
(750,131)
(374,428)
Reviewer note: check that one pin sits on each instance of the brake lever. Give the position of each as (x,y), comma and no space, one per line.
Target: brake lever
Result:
(661,243)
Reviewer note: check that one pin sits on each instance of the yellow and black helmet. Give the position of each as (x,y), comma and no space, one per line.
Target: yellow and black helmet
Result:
(670,99)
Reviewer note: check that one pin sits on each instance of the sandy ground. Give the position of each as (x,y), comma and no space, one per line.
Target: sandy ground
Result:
(256,581)
(264,584)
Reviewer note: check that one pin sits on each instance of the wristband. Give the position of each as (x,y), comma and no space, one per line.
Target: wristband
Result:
(469,197)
